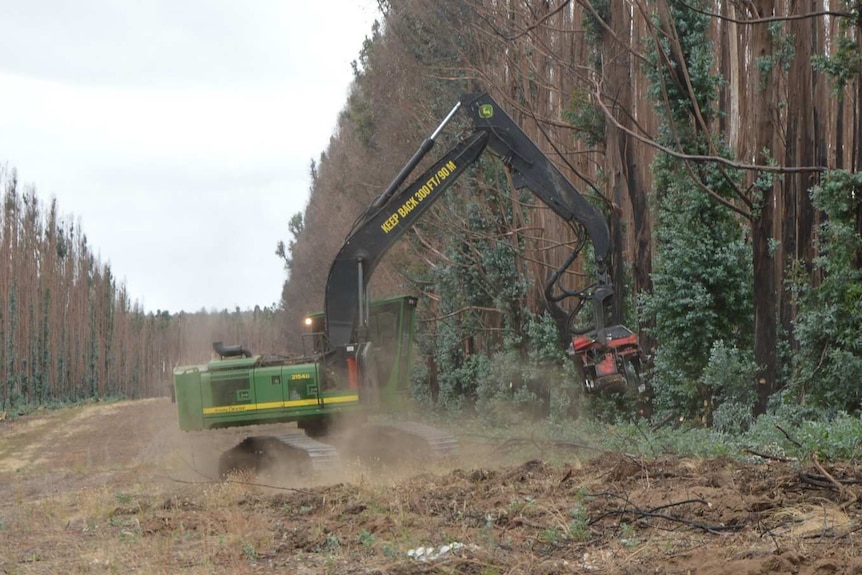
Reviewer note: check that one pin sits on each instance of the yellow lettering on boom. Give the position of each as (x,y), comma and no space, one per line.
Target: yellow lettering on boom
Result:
(413,202)
(389,224)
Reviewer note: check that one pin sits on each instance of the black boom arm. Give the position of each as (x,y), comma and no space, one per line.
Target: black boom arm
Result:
(393,213)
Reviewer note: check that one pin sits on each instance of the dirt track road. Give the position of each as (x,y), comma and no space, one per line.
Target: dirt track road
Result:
(117,488)
(98,444)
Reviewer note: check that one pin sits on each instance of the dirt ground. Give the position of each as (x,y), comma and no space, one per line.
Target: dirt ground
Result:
(116,488)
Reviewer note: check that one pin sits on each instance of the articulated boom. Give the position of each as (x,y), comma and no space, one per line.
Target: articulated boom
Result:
(609,355)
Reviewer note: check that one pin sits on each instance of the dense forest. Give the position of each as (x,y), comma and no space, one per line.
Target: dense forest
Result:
(69,330)
(719,138)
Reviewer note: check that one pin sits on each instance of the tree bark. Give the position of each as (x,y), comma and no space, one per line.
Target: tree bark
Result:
(765,293)
(798,224)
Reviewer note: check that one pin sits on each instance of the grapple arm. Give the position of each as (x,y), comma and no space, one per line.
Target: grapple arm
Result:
(394,212)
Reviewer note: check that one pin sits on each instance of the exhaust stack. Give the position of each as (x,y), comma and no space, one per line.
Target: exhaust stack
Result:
(230,350)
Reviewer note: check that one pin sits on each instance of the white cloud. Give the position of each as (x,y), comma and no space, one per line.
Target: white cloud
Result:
(179,132)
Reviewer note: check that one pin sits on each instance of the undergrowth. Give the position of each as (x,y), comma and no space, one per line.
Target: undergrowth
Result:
(786,433)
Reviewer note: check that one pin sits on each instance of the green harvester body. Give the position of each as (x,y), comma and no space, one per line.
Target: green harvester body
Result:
(260,389)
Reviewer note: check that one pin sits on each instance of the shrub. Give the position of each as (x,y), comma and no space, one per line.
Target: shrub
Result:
(828,327)
(731,378)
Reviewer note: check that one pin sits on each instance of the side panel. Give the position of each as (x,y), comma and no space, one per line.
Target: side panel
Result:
(246,391)
(229,394)
(187,389)
(269,387)
(233,395)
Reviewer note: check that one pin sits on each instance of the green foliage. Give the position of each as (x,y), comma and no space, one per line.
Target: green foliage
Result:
(702,275)
(294,227)
(365,538)
(586,118)
(842,65)
(579,525)
(362,65)
(702,285)
(667,87)
(426,31)
(460,374)
(543,339)
(479,289)
(787,430)
(791,430)
(505,393)
(678,436)
(595,21)
(783,53)
(359,113)
(331,544)
(828,326)
(528,382)
(730,377)
(249,551)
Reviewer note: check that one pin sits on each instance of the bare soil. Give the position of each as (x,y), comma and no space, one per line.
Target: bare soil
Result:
(117,488)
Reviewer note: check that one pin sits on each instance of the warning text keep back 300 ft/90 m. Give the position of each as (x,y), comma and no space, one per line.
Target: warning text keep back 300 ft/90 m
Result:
(422,193)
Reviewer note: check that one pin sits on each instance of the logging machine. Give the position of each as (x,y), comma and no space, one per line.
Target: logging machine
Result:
(357,352)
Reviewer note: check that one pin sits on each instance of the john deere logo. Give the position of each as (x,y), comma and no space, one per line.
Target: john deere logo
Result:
(486,111)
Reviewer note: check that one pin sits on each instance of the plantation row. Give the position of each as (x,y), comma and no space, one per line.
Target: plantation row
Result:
(70,332)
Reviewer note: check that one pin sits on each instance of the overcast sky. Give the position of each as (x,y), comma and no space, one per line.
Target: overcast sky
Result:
(179,132)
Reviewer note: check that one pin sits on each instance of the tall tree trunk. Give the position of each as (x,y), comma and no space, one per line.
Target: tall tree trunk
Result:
(799,136)
(625,180)
(616,71)
(765,293)
(857,137)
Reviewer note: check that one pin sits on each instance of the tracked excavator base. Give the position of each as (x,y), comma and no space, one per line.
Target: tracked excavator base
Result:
(392,443)
(292,454)
(296,455)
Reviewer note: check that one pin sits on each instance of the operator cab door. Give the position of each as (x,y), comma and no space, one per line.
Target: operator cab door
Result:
(391,328)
